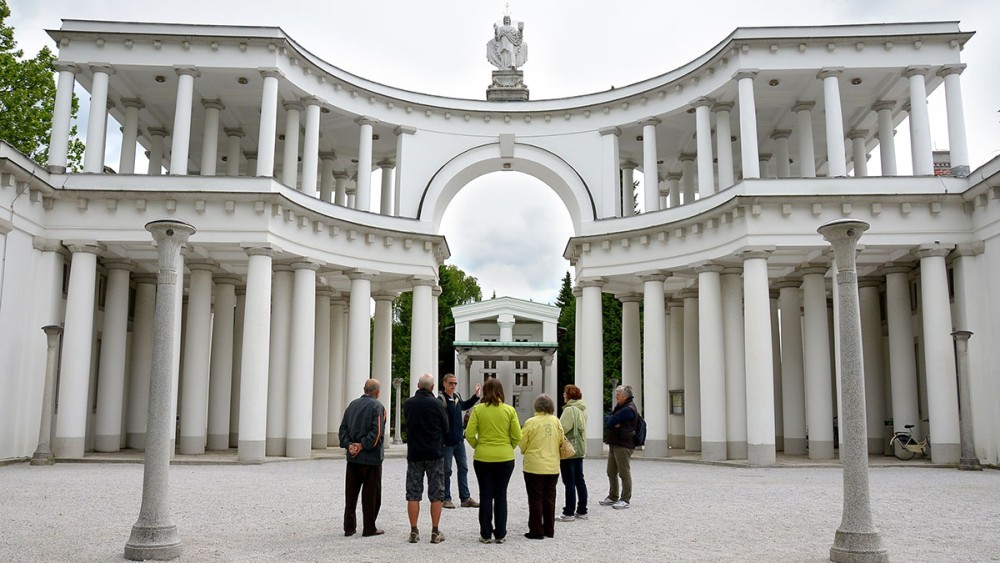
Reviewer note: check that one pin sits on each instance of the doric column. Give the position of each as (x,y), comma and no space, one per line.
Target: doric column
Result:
(902,361)
(590,376)
(673,190)
(610,179)
(157,135)
(130,134)
(650,172)
(358,363)
(387,205)
(692,383)
(290,150)
(675,372)
(859,152)
(920,127)
(886,136)
(77,346)
(577,332)
(404,140)
(759,360)
(779,422)
(61,111)
(338,361)
(764,160)
(181,140)
(301,362)
(703,128)
(251,157)
(340,194)
(421,341)
(210,137)
(735,362)
(712,363)
(321,370)
(835,149)
(782,161)
(97,122)
(277,372)
(363,199)
(233,136)
(654,362)
(807,150)
(310,147)
(111,373)
(435,332)
(816,351)
(871,345)
(724,144)
(255,356)
(326,179)
(140,361)
(748,123)
(234,393)
(687,176)
(631,346)
(939,354)
(957,143)
(628,188)
(382,354)
(268,123)
(197,356)
(793,398)
(220,379)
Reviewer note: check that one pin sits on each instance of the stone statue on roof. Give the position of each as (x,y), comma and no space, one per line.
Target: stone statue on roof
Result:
(507,50)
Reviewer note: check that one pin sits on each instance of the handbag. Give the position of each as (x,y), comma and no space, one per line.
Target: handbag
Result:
(566,449)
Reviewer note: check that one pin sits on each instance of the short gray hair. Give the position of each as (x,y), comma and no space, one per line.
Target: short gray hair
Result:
(543,403)
(426,381)
(626,390)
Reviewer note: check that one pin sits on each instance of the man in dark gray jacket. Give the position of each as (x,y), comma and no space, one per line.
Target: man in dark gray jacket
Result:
(362,435)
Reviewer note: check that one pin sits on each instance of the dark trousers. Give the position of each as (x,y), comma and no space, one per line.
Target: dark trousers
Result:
(576,487)
(541,491)
(493,478)
(367,480)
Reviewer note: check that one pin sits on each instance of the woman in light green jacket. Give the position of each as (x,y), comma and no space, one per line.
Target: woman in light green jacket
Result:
(540,446)
(574,421)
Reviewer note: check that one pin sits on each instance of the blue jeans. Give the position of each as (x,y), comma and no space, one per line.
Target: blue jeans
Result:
(493,479)
(458,452)
(572,476)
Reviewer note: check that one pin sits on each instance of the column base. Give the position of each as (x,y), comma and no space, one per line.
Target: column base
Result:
(736,450)
(159,543)
(655,448)
(136,440)
(73,448)
(298,447)
(876,445)
(275,447)
(107,443)
(319,441)
(46,458)
(713,451)
(760,455)
(595,447)
(795,446)
(965,464)
(250,451)
(944,453)
(234,439)
(779,443)
(56,169)
(858,547)
(217,442)
(821,450)
(332,440)
(692,443)
(675,441)
(192,445)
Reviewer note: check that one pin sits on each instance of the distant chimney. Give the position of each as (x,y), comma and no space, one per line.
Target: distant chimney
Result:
(942,163)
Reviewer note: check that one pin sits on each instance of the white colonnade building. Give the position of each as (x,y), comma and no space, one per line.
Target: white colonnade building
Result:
(270,153)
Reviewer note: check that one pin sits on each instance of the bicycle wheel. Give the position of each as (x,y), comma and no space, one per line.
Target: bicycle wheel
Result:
(900,450)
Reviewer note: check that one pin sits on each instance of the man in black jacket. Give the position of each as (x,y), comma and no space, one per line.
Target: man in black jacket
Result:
(454,442)
(619,434)
(426,426)
(361,434)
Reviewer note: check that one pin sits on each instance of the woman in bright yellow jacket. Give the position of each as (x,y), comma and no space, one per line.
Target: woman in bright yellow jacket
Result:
(540,441)
(493,431)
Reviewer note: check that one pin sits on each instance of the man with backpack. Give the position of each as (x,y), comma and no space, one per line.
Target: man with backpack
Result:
(454,441)
(619,433)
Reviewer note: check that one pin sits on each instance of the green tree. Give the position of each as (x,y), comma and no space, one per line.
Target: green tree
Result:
(27,98)
(566,362)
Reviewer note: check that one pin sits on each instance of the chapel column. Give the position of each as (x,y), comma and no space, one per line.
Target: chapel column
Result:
(277,370)
(871,346)
(338,361)
(358,363)
(807,147)
(290,151)
(435,333)
(859,152)
(779,419)
(130,134)
(675,372)
(706,166)
(651,189)
(301,361)
(382,356)
(687,176)
(420,331)
(712,363)
(340,188)
(759,360)
(321,370)
(234,392)
(920,127)
(157,136)
(233,136)
(631,349)
(781,158)
(220,379)
(197,355)
(902,360)
(387,205)
(793,398)
(181,140)
(310,146)
(816,351)
(61,112)
(97,122)
(886,136)
(724,144)
(628,188)
(255,356)
(835,149)
(735,362)
(610,179)
(957,143)
(654,363)
(692,384)
(326,177)
(111,373)
(363,199)
(210,137)
(590,376)
(268,123)
(748,123)
(140,361)
(673,190)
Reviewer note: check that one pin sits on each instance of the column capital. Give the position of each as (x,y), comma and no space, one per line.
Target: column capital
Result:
(260,249)
(687,293)
(132,103)
(384,296)
(387,163)
(858,134)
(933,249)
(311,101)
(827,72)
(63,66)
(577,292)
(708,268)
(970,248)
(404,130)
(226,279)
(187,70)
(158,132)
(732,270)
(656,276)
(436,291)
(328,155)
(306,264)
(266,72)
(814,268)
(365,120)
(88,246)
(764,156)
(870,281)
(650,121)
(893,268)
(687,156)
(787,283)
(628,165)
(951,69)
(673,176)
(591,282)
(629,298)
(144,278)
(292,105)
(213,104)
(803,106)
(340,175)
(610,131)
(422,280)
(916,71)
(883,105)
(723,106)
(906,107)
(281,267)
(361,275)
(105,68)
(119,264)
(46,244)
(250,155)
(752,252)
(743,73)
(781,133)
(234,132)
(703,101)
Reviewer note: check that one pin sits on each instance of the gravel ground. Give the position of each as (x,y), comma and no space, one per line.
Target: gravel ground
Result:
(680,512)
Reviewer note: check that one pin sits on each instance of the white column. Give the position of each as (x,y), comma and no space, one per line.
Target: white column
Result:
(957,143)
(387,205)
(871,345)
(590,376)
(338,359)
(577,333)
(140,361)
(255,357)
(220,379)
(321,370)
(97,122)
(435,332)
(77,346)
(654,363)
(939,354)
(421,343)
(920,127)
(724,144)
(687,176)
(277,371)
(130,134)
(363,199)
(902,360)
(781,159)
(251,157)
(703,128)
(859,152)
(651,189)
(301,362)
(310,147)
(181,141)
(358,364)
(807,150)
(61,112)
(628,188)
(210,137)
(759,360)
(816,351)
(233,152)
(197,356)
(631,346)
(404,140)
(382,354)
(610,179)
(692,384)
(340,194)
(736,376)
(234,392)
(673,190)
(835,149)
(326,179)
(793,399)
(748,123)
(156,138)
(268,123)
(111,374)
(711,363)
(886,136)
(675,372)
(779,422)
(764,161)
(290,150)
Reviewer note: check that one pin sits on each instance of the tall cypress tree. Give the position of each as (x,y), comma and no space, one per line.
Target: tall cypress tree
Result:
(566,359)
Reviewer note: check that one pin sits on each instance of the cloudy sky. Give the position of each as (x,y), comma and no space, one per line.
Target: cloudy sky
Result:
(506,229)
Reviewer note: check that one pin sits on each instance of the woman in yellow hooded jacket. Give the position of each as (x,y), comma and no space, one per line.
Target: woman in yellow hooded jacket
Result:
(540,441)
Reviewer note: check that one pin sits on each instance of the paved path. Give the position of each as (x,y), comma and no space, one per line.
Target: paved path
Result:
(680,511)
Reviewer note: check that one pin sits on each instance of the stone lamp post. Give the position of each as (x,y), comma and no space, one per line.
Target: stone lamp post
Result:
(856,538)
(43,453)
(154,535)
(968,461)
(397,438)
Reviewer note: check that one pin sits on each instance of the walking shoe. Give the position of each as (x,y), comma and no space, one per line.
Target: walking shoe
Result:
(437,537)
(608,501)
(414,537)
(581,516)
(485,540)
(447,504)
(499,540)
(620,505)
(565,518)
(470,503)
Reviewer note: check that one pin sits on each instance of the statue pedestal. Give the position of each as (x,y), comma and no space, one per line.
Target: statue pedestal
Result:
(508,86)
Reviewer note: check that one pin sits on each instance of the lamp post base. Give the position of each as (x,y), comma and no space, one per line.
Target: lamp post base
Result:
(157,543)
(858,547)
(46,458)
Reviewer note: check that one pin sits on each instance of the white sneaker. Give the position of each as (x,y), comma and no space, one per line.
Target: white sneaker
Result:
(620,505)
(581,516)
(608,501)
(565,518)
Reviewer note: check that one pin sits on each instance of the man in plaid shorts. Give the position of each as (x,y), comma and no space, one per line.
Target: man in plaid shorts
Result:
(426,427)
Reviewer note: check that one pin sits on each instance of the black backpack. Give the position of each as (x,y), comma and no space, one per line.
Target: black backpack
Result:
(640,429)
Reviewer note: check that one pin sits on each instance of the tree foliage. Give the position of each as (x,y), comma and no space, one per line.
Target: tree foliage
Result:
(27,98)
(566,359)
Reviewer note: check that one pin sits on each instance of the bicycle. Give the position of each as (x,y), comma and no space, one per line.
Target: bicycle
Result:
(905,446)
